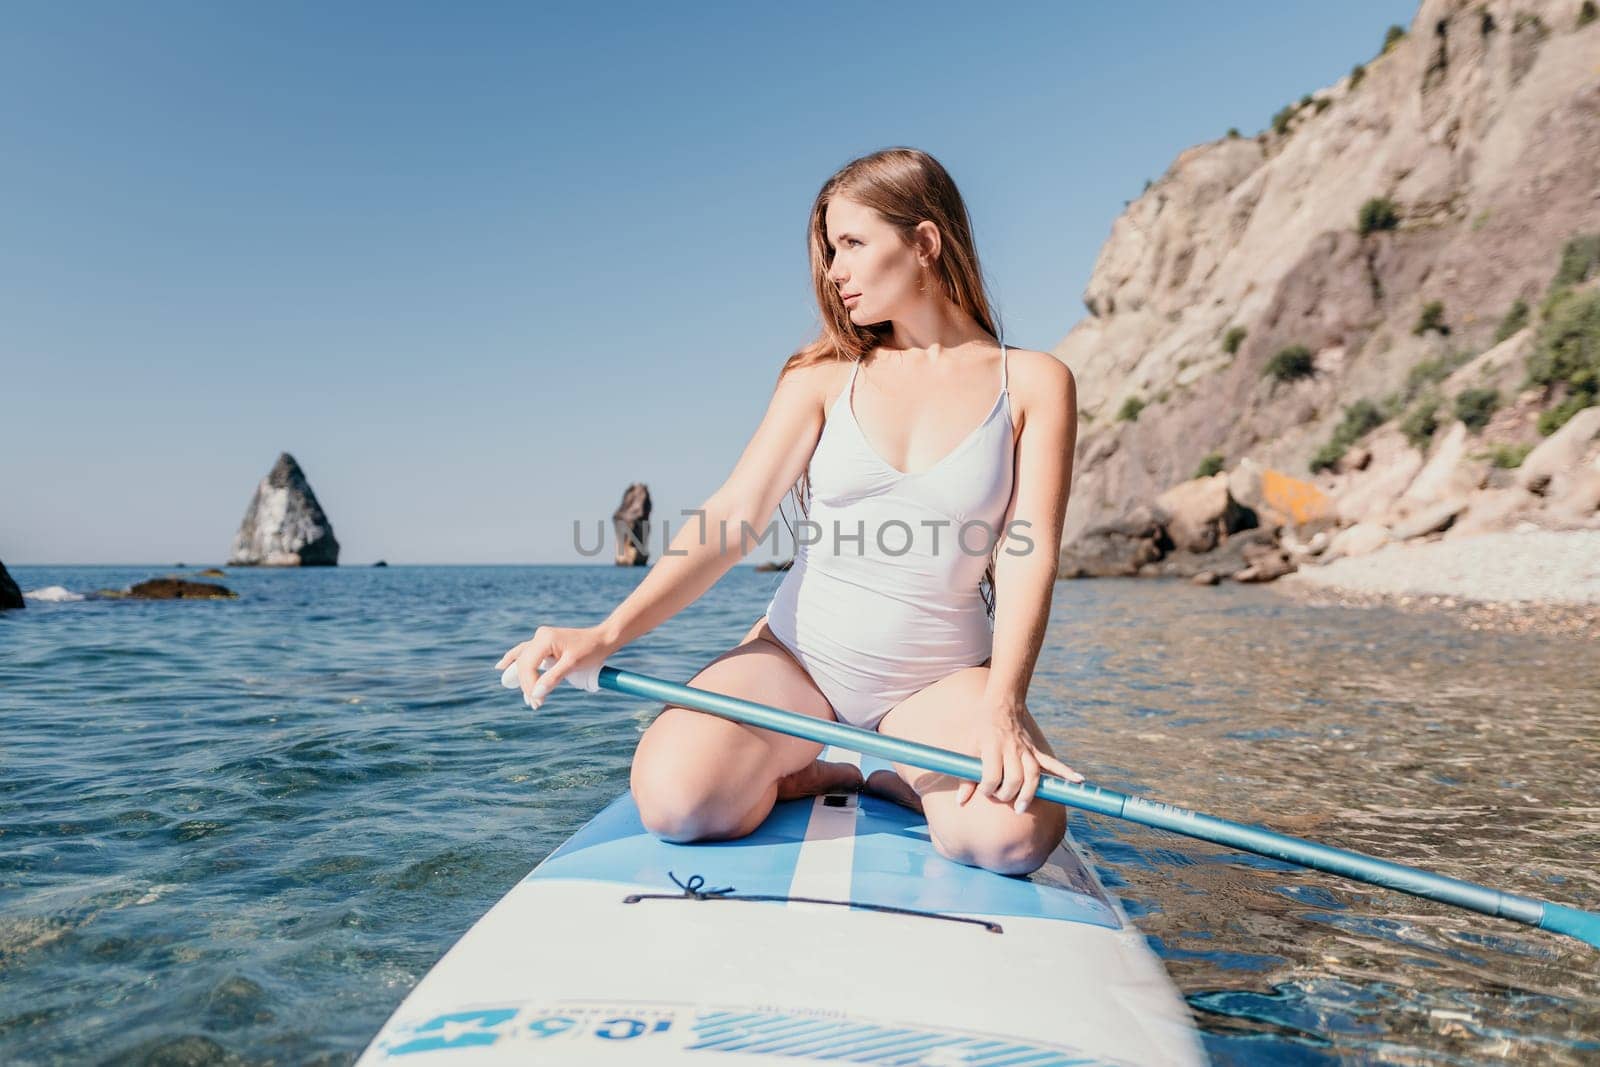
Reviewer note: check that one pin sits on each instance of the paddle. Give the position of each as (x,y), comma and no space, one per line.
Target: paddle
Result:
(1585,926)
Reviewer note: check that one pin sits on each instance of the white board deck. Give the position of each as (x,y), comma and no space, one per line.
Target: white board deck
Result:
(573,967)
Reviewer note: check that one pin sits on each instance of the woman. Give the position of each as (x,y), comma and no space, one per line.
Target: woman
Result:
(882,622)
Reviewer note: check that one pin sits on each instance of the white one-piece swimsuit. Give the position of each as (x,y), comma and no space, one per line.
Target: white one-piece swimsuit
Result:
(886,600)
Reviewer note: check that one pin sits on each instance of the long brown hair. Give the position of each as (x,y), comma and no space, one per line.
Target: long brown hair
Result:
(904,186)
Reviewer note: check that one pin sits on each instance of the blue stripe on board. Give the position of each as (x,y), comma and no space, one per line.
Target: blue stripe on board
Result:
(615,847)
(861,1042)
(895,863)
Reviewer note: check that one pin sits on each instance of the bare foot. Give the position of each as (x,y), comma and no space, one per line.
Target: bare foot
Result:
(891,786)
(819,778)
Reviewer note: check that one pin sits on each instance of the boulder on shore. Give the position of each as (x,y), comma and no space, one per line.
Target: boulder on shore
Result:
(10,594)
(1199,514)
(1233,556)
(1116,549)
(1559,452)
(284,525)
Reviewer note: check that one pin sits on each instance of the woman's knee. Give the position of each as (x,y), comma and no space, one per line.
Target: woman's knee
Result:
(1015,846)
(694,777)
(698,776)
(675,808)
(676,798)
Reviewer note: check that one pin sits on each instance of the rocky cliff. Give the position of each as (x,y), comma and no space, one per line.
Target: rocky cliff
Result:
(1385,244)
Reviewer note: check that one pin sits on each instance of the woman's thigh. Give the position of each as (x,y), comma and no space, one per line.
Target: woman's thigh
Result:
(984,832)
(691,764)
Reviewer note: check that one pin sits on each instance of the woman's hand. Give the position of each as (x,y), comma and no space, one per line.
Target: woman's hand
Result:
(1013,757)
(571,648)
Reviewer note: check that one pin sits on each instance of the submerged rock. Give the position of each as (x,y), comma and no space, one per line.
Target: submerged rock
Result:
(284,525)
(10,595)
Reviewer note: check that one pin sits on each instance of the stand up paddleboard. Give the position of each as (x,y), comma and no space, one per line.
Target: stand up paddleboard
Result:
(835,932)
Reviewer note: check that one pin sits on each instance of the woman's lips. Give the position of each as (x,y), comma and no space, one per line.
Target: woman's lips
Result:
(852,296)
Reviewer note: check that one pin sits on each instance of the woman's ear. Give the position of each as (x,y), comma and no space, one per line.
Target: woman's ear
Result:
(927,241)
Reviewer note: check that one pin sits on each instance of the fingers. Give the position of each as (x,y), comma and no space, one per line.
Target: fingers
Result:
(1011,780)
(1030,784)
(1056,767)
(993,773)
(533,653)
(554,671)
(509,658)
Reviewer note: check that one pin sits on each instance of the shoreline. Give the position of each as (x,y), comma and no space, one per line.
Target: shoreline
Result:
(1535,581)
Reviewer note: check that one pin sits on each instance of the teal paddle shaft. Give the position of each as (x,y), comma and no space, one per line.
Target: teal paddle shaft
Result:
(1585,926)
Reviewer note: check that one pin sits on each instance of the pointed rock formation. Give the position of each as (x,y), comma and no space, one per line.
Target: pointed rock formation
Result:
(284,525)
(10,595)
(632,523)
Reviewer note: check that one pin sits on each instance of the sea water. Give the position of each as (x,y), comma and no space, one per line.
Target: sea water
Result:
(241,830)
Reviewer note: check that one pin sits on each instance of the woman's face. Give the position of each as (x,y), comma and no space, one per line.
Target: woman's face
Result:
(871,263)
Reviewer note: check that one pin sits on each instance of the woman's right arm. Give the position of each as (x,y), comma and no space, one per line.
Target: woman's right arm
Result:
(701,553)
(772,461)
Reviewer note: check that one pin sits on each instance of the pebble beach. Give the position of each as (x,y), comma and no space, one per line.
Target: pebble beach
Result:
(1532,581)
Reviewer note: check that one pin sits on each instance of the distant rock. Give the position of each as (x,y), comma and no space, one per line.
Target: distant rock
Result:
(284,525)
(178,589)
(381,563)
(211,572)
(10,595)
(632,524)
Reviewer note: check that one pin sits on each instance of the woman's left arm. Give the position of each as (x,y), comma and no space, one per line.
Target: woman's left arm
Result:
(1025,578)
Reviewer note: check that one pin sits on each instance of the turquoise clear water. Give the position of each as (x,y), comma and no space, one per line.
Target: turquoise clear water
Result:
(240,831)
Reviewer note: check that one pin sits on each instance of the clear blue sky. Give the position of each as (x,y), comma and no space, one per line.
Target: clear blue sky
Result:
(458,259)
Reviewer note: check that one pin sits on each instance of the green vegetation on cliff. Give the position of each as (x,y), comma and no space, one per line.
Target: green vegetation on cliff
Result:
(1360,419)
(1290,363)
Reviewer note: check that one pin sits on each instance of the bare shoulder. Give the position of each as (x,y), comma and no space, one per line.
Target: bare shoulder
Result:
(1040,382)
(814,383)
